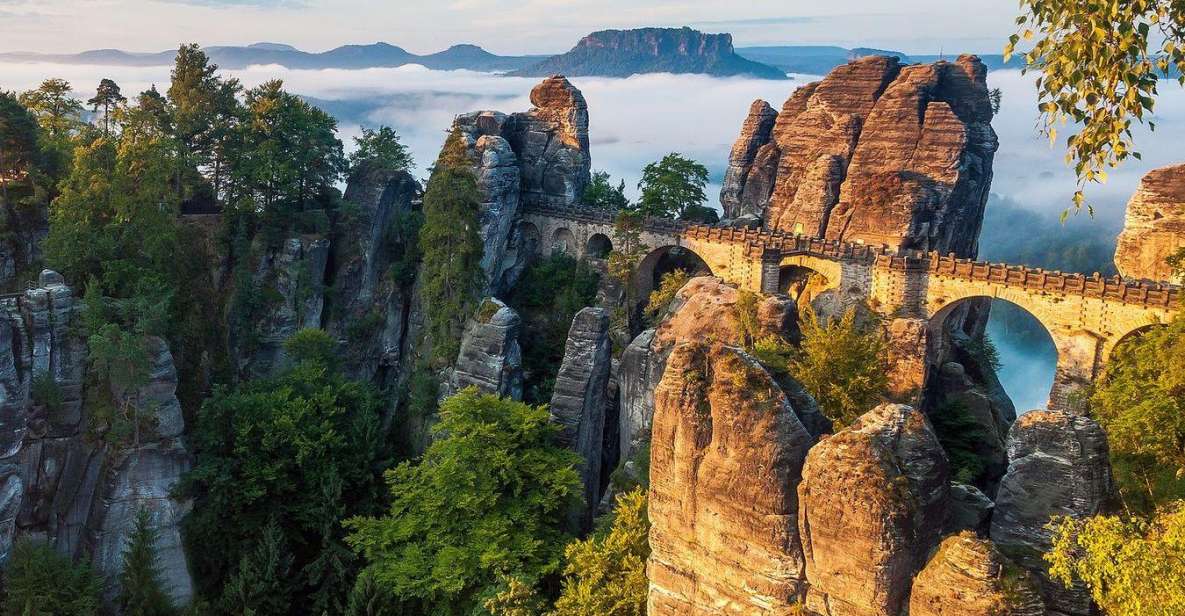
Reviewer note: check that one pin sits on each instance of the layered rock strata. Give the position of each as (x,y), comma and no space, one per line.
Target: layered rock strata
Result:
(490,357)
(969,577)
(875,152)
(1154,227)
(580,399)
(726,455)
(872,504)
(1058,466)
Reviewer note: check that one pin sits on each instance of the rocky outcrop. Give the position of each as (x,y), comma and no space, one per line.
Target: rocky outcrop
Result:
(287,295)
(579,400)
(536,157)
(726,454)
(872,504)
(143,477)
(702,310)
(1154,228)
(1058,465)
(370,275)
(621,53)
(970,509)
(969,577)
(875,152)
(490,358)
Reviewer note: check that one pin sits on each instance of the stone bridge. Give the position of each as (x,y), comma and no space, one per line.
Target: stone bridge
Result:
(1086,316)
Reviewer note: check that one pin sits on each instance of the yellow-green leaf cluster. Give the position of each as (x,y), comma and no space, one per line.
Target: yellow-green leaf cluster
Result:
(842,364)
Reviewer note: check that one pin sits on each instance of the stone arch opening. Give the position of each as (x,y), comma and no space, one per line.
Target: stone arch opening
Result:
(563,242)
(529,239)
(662,261)
(598,247)
(1015,368)
(1131,337)
(801,283)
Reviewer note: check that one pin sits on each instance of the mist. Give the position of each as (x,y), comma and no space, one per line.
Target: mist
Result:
(637,120)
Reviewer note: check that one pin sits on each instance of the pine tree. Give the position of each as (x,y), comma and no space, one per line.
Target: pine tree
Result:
(262,585)
(140,589)
(109,97)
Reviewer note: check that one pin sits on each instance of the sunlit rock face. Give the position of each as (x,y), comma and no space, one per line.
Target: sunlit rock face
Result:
(726,455)
(968,576)
(1058,465)
(875,152)
(872,504)
(1154,228)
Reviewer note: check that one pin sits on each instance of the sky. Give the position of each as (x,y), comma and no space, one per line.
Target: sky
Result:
(502,26)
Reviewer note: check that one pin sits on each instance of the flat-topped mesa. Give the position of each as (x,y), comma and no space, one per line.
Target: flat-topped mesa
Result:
(875,152)
(1154,228)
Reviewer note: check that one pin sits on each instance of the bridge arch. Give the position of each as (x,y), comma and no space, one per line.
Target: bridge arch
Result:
(530,241)
(804,277)
(598,246)
(563,241)
(663,260)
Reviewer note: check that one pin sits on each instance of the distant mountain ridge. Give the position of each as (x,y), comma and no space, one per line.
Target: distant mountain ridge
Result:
(376,55)
(621,53)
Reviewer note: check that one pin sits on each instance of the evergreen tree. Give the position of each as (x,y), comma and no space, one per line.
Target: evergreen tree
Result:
(39,581)
(841,363)
(451,248)
(206,117)
(108,97)
(380,148)
(140,591)
(605,575)
(261,584)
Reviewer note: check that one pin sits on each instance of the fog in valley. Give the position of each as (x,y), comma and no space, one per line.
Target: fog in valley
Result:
(639,119)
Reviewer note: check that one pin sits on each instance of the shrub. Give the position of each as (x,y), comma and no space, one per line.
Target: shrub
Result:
(842,365)
(39,580)
(662,297)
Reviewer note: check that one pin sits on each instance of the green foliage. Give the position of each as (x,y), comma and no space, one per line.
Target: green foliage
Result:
(108,97)
(601,193)
(38,581)
(140,590)
(451,248)
(1100,65)
(299,452)
(662,297)
(423,390)
(261,584)
(547,297)
(745,313)
(841,364)
(369,598)
(984,352)
(1176,261)
(46,392)
(626,256)
(674,188)
(55,107)
(20,149)
(1140,402)
(206,119)
(774,352)
(487,500)
(959,433)
(311,345)
(380,148)
(1132,567)
(605,575)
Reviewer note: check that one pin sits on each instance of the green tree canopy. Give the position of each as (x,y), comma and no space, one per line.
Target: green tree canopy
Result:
(674,188)
(381,148)
(1140,402)
(1100,65)
(55,107)
(1132,567)
(842,364)
(38,581)
(108,98)
(605,575)
(486,501)
(601,193)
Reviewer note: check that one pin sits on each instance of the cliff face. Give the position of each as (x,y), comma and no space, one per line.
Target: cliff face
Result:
(1154,227)
(621,53)
(875,152)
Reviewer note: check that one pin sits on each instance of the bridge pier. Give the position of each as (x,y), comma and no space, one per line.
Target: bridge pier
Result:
(1079,357)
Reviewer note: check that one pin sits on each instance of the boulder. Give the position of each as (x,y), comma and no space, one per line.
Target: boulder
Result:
(969,577)
(490,358)
(1154,227)
(726,455)
(872,503)
(1058,465)
(970,509)
(580,398)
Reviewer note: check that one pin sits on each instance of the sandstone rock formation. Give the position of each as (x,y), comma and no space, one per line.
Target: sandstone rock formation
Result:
(490,357)
(288,294)
(1154,227)
(580,397)
(969,577)
(1058,465)
(970,509)
(703,310)
(621,53)
(726,454)
(875,152)
(369,306)
(872,504)
(536,157)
